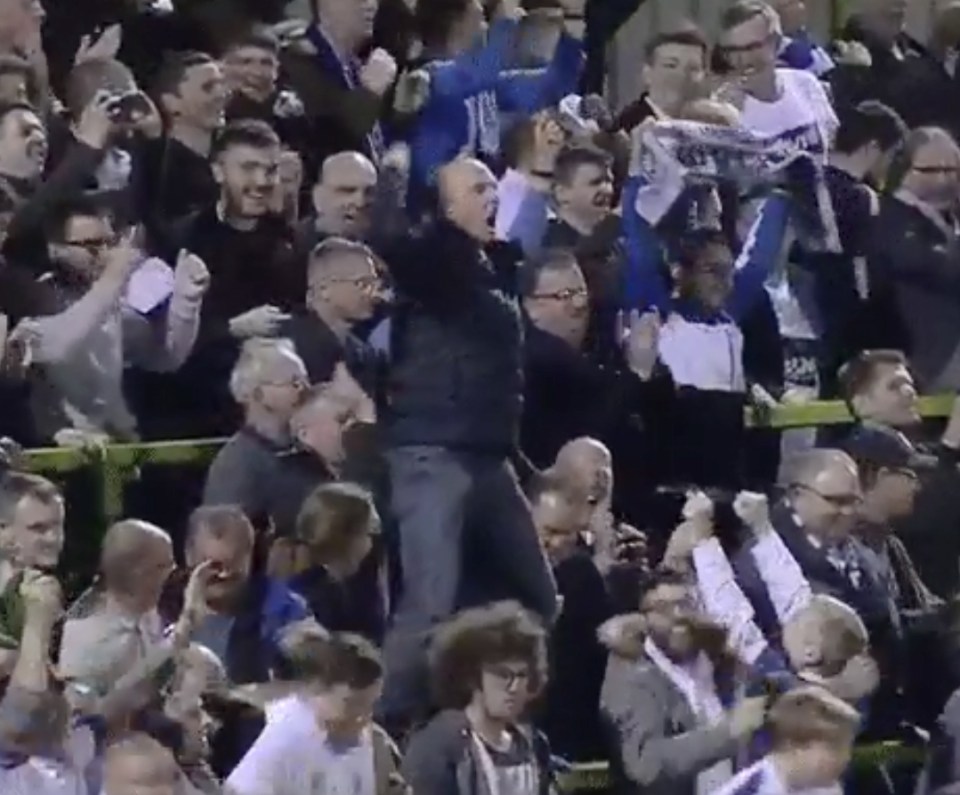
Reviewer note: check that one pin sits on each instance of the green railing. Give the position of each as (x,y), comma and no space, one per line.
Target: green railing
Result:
(594,776)
(116,465)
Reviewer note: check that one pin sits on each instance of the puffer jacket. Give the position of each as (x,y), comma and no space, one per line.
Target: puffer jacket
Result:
(456,369)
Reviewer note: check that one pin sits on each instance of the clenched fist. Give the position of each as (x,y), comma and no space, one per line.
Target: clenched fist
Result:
(191,277)
(753,510)
(379,72)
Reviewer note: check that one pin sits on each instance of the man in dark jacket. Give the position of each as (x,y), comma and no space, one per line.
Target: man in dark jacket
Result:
(455,397)
(343,97)
(568,394)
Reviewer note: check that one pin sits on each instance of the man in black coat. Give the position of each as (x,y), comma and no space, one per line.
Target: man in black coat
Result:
(453,412)
(567,394)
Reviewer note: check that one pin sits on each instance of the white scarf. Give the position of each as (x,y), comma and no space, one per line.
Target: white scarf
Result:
(695,681)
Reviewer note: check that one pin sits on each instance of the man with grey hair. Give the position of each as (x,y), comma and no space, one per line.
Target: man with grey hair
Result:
(268,382)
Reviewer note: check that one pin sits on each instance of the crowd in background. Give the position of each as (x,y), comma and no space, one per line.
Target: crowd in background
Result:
(484,350)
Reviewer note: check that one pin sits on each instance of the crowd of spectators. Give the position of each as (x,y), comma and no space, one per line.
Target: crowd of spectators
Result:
(484,351)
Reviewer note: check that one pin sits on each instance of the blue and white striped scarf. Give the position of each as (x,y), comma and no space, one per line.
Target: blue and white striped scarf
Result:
(672,154)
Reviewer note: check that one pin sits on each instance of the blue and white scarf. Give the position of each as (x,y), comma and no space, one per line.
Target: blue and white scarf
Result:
(348,72)
(702,154)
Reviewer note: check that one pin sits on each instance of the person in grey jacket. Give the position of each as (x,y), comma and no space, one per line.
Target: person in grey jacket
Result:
(675,723)
(488,664)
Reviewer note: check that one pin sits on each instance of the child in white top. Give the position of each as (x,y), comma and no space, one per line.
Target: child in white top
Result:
(812,733)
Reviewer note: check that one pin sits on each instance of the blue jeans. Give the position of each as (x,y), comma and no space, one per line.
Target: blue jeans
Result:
(444,502)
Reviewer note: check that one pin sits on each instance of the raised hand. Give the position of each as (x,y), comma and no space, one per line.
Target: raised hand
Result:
(41,594)
(640,338)
(379,72)
(753,510)
(96,125)
(263,321)
(747,717)
(103,47)
(191,279)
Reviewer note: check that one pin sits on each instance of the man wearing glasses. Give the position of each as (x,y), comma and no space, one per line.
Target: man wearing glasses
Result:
(817,520)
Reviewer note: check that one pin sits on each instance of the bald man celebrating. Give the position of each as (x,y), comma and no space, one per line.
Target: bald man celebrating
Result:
(343,198)
(455,396)
(116,625)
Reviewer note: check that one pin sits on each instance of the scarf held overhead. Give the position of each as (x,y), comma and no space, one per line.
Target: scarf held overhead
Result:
(694,153)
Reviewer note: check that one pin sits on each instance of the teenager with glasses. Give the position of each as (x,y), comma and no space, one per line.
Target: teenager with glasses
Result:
(488,665)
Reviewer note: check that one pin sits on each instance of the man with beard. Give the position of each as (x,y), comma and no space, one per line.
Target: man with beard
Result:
(677,728)
(249,252)
(488,664)
(84,330)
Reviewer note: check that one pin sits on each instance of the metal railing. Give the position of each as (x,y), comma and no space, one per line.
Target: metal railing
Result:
(118,464)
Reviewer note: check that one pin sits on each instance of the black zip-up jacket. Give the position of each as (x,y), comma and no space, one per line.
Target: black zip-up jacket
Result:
(456,375)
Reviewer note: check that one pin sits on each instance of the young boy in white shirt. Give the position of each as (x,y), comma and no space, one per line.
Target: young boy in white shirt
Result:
(320,738)
(812,733)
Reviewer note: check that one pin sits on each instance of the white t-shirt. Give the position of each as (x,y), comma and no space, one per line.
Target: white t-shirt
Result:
(292,756)
(761,778)
(802,116)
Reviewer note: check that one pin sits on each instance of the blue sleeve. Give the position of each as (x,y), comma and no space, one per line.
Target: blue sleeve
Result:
(478,69)
(530,90)
(643,282)
(281,607)
(759,254)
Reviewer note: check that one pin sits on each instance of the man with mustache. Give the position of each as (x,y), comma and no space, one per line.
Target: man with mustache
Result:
(676,716)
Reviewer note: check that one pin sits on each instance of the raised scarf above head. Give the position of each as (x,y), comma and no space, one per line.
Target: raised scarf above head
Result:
(693,153)
(347,72)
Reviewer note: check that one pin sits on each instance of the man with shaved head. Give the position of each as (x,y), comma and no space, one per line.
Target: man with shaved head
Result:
(343,196)
(116,625)
(138,763)
(455,394)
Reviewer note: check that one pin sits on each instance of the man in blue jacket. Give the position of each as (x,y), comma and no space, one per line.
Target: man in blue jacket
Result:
(471,82)
(454,402)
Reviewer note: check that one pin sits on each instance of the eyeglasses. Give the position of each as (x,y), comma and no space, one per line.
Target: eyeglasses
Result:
(362,282)
(93,245)
(841,501)
(569,294)
(936,170)
(509,676)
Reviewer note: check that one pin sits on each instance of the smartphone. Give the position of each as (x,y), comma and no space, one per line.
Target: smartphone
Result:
(129,107)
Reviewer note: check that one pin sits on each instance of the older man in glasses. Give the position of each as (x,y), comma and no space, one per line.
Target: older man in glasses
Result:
(818,520)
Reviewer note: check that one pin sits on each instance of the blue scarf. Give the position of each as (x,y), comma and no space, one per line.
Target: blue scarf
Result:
(348,74)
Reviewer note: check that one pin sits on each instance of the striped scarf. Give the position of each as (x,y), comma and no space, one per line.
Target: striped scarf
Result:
(704,154)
